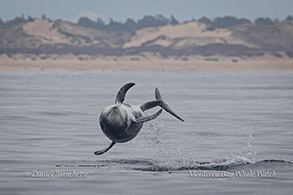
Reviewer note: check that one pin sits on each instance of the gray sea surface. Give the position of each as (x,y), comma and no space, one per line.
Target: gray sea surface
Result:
(236,139)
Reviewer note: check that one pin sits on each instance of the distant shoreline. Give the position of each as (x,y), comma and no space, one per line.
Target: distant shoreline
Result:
(145,62)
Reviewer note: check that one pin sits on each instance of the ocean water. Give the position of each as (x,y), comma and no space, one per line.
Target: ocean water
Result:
(236,139)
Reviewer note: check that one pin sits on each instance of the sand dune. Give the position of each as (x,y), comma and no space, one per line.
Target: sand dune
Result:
(192,33)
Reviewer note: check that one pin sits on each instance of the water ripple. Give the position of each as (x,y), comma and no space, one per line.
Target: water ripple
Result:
(150,165)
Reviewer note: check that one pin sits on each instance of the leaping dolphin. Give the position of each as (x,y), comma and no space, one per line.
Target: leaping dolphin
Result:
(121,122)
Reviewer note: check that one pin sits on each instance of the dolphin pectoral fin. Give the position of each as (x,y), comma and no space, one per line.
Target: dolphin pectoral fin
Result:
(148,118)
(121,93)
(99,152)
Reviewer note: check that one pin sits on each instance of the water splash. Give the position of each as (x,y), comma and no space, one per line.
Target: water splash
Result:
(249,152)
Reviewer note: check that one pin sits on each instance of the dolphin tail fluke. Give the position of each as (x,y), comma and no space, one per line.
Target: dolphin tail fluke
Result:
(99,152)
(159,102)
(158,95)
(164,105)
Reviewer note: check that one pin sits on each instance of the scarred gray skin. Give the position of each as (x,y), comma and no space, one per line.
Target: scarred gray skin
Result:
(118,122)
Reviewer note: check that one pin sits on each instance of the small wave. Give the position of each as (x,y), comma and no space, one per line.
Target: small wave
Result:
(218,165)
(150,165)
(52,113)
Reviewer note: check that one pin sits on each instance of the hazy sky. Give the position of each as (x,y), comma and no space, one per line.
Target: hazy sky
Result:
(120,10)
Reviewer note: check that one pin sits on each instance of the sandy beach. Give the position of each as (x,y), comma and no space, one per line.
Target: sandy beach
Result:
(143,62)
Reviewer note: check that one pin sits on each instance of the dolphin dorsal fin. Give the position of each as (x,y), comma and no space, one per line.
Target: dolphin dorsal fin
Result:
(121,93)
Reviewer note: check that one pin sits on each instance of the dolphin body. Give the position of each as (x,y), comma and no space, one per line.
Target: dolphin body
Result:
(122,122)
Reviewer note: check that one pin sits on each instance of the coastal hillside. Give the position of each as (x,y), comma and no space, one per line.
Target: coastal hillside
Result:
(191,38)
(44,44)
